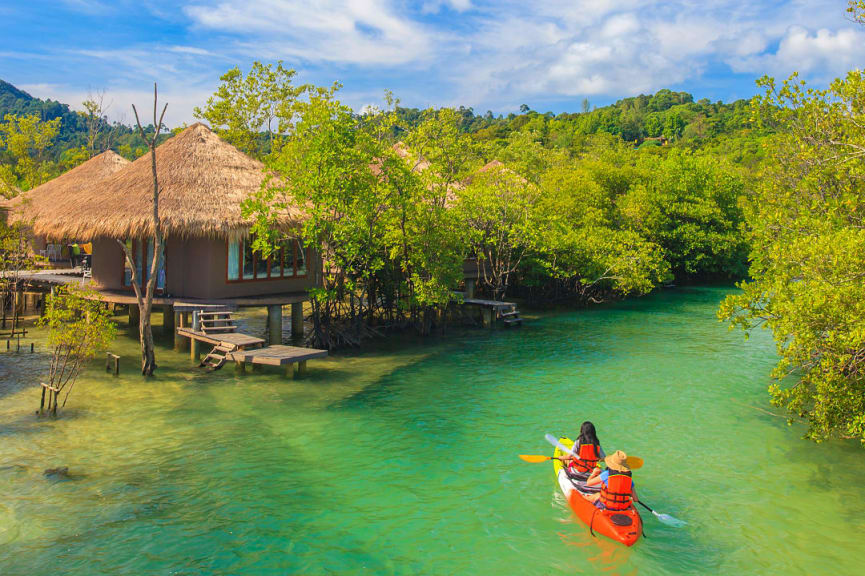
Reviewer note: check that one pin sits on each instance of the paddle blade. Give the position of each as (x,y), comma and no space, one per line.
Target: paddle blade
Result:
(669,520)
(555,442)
(635,462)
(534,458)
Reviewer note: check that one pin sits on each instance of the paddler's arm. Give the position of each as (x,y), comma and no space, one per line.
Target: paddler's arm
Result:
(634,493)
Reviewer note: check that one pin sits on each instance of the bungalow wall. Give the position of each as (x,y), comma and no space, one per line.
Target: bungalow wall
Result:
(196,268)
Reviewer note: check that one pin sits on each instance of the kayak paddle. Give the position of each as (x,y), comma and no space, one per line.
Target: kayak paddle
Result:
(536,458)
(665,518)
(634,462)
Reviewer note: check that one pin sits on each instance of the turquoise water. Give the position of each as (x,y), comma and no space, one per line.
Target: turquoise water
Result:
(403,459)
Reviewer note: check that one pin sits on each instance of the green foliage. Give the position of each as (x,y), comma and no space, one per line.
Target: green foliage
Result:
(26,140)
(79,327)
(245,106)
(856,9)
(807,219)
(689,206)
(499,208)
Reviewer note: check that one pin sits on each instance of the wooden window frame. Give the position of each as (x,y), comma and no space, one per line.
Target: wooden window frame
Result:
(269,278)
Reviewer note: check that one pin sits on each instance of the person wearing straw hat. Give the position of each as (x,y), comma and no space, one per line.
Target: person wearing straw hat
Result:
(617,485)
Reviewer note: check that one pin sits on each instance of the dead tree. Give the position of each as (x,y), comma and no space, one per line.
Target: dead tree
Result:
(145,300)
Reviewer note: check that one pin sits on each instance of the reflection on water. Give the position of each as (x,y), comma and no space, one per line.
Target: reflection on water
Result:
(402,459)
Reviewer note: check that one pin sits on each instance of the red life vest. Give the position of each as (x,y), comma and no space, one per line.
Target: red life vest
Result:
(617,492)
(587,457)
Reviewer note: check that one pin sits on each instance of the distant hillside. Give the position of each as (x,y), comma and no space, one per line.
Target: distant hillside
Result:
(73,129)
(646,120)
(15,101)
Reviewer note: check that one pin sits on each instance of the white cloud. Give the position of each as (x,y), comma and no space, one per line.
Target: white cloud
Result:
(345,31)
(488,54)
(822,54)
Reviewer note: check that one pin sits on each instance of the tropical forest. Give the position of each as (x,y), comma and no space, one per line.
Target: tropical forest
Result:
(625,289)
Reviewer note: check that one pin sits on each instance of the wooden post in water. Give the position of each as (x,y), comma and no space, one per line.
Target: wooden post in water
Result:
(297,319)
(274,324)
(301,369)
(470,287)
(194,353)
(488,316)
(112,363)
(134,316)
(168,319)
(178,339)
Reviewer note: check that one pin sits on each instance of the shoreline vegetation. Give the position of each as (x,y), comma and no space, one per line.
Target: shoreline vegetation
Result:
(579,208)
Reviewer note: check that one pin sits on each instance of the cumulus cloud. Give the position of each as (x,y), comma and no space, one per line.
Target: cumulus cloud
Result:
(346,31)
(822,54)
(489,54)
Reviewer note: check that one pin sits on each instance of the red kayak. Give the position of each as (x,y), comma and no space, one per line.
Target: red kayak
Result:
(623,526)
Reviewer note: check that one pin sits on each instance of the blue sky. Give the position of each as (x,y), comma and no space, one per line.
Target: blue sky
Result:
(487,54)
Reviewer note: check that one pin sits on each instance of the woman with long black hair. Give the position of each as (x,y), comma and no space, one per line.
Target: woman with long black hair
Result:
(587,449)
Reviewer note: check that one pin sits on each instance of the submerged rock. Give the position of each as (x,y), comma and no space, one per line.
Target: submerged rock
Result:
(62,472)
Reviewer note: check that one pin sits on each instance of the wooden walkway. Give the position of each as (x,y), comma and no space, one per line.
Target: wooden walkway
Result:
(491,310)
(277,355)
(238,339)
(244,349)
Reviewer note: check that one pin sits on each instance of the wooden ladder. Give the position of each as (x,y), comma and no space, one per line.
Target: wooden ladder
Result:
(217,322)
(512,318)
(215,359)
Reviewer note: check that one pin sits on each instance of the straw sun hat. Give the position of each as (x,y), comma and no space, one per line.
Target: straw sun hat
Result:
(617,461)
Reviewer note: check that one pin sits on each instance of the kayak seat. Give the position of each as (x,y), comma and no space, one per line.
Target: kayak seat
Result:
(582,488)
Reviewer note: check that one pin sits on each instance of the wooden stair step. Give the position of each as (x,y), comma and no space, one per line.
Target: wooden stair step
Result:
(212,329)
(510,314)
(213,314)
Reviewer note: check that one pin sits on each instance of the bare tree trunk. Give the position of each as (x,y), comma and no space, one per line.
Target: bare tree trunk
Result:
(145,301)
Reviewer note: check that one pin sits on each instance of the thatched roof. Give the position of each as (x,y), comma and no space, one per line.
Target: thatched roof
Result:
(41,201)
(202,182)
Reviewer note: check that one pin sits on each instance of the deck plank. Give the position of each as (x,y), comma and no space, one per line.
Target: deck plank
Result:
(276,355)
(235,338)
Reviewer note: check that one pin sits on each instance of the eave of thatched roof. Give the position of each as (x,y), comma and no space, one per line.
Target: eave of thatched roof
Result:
(202,182)
(41,201)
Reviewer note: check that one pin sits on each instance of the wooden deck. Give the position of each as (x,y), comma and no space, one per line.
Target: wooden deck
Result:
(278,355)
(47,278)
(291,358)
(243,349)
(231,338)
(494,304)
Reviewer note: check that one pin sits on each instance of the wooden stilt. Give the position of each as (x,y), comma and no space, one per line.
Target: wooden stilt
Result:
(179,340)
(134,316)
(274,324)
(470,287)
(297,319)
(112,363)
(194,352)
(301,369)
(168,320)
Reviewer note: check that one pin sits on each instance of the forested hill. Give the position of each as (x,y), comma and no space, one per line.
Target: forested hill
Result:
(73,125)
(646,120)
(18,102)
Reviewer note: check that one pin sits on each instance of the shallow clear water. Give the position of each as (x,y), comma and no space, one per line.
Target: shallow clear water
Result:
(403,459)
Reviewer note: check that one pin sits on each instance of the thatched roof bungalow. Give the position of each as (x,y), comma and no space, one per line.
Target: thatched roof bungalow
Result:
(45,199)
(202,182)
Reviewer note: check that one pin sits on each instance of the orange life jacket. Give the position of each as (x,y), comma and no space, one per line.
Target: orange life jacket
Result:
(617,492)
(587,457)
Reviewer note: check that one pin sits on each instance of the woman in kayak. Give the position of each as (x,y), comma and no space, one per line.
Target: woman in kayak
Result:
(588,450)
(617,485)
